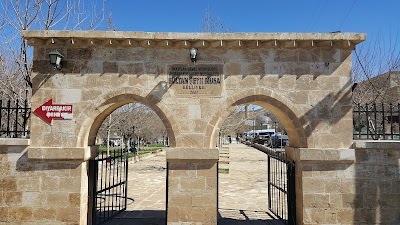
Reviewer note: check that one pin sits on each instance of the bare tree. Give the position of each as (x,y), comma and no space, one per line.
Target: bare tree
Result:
(378,57)
(10,80)
(214,25)
(246,118)
(235,122)
(110,24)
(17,15)
(132,122)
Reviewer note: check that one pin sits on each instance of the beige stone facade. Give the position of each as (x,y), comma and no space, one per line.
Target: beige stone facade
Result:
(303,79)
(348,187)
(37,191)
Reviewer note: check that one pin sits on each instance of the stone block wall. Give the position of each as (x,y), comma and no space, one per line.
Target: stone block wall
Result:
(377,183)
(192,187)
(348,186)
(37,192)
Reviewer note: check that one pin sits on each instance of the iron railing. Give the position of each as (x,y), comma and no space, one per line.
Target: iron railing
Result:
(110,187)
(376,121)
(14,118)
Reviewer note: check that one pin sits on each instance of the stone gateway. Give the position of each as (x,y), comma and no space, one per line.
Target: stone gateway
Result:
(304,79)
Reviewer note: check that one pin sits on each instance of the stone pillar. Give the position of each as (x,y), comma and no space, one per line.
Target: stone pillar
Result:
(42,185)
(325,185)
(192,186)
(65,182)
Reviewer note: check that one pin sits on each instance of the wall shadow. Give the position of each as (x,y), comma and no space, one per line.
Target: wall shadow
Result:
(377,185)
(24,164)
(331,109)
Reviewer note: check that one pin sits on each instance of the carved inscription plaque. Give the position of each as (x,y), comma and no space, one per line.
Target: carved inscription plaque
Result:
(205,80)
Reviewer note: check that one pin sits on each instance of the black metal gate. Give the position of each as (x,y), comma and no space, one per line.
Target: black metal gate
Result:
(281,187)
(109,193)
(281,184)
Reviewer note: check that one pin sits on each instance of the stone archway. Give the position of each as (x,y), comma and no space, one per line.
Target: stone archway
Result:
(256,167)
(109,105)
(288,114)
(304,79)
(100,113)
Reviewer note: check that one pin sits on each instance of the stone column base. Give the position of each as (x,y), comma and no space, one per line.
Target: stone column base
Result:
(192,186)
(324,185)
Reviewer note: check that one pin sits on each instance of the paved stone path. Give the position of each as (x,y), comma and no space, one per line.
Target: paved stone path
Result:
(146,193)
(242,191)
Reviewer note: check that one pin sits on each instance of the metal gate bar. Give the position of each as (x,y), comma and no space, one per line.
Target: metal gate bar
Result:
(281,187)
(110,186)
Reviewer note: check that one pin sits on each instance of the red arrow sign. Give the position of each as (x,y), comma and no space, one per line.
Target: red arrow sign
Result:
(48,111)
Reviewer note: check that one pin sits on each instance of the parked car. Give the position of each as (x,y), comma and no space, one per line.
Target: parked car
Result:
(278,141)
(260,139)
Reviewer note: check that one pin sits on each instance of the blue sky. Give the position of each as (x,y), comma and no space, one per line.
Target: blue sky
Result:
(379,19)
(368,16)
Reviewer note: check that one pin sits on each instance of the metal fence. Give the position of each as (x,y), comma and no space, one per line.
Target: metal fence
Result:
(110,186)
(14,118)
(376,121)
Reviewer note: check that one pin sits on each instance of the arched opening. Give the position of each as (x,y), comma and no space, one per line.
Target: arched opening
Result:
(253,128)
(127,180)
(286,115)
(110,105)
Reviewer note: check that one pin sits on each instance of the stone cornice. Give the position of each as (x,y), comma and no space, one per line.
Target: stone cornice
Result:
(197,40)
(63,153)
(377,144)
(320,155)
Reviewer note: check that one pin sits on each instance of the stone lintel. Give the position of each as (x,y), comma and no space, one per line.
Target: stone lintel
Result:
(191,154)
(321,155)
(63,154)
(342,40)
(14,142)
(377,144)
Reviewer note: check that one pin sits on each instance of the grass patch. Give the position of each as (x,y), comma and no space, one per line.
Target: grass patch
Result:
(104,149)
(143,150)
(223,171)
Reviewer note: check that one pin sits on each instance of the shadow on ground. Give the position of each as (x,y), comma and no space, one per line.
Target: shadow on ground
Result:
(245,217)
(157,217)
(138,217)
(227,221)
